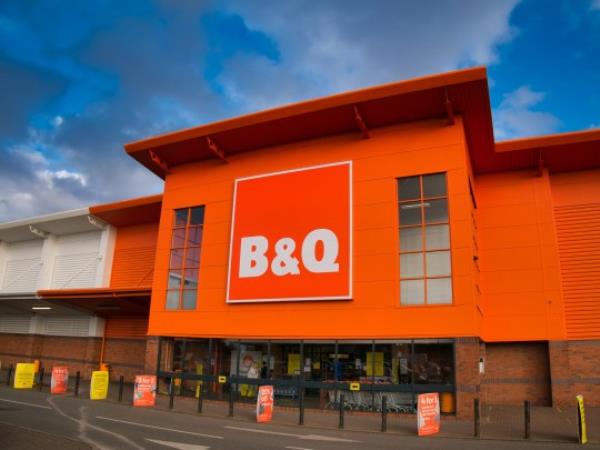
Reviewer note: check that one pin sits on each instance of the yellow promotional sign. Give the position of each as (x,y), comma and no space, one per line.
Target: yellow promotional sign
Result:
(581,420)
(355,386)
(199,371)
(24,375)
(374,363)
(293,364)
(222,379)
(99,385)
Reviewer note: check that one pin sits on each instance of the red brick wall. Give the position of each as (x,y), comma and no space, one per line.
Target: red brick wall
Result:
(467,375)
(575,370)
(515,372)
(126,357)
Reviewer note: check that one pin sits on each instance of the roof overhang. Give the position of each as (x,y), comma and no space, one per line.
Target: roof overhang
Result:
(66,222)
(463,92)
(562,152)
(102,301)
(130,212)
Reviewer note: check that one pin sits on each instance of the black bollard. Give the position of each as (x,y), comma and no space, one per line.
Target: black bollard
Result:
(171,392)
(384,413)
(121,379)
(527,407)
(9,374)
(477,418)
(77,377)
(41,379)
(341,424)
(301,407)
(200,396)
(230,400)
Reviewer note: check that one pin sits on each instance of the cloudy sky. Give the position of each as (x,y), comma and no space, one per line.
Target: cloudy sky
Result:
(79,79)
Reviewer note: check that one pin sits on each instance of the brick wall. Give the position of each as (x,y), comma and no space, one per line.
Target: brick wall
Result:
(575,370)
(515,372)
(126,357)
(467,375)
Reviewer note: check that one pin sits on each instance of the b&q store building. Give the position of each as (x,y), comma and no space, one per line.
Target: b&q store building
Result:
(379,236)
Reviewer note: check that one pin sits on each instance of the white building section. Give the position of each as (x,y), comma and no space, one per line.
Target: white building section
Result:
(66,250)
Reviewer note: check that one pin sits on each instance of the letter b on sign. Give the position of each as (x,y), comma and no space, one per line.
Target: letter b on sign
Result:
(291,236)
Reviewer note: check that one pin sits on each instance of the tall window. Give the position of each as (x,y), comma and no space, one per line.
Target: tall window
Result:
(184,262)
(425,265)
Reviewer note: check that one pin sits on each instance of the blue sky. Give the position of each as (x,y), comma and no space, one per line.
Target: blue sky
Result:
(80,79)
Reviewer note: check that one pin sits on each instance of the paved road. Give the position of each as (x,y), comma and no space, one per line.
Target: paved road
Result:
(66,422)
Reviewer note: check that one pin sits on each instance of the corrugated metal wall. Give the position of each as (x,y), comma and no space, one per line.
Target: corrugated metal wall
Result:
(577,215)
(578,231)
(23,264)
(133,262)
(15,323)
(76,263)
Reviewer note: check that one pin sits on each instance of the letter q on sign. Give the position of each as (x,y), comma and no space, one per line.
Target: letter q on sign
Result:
(291,236)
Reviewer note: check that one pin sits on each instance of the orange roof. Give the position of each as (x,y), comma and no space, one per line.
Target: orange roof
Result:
(466,91)
(130,212)
(416,99)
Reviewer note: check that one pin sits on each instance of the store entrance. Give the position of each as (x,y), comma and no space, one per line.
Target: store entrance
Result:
(315,373)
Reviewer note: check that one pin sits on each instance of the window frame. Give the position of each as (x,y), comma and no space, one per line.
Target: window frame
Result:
(424,251)
(185,249)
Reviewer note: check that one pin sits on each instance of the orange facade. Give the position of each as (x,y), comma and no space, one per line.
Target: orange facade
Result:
(374,311)
(523,217)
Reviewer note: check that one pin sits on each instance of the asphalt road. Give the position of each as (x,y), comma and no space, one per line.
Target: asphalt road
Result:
(35,420)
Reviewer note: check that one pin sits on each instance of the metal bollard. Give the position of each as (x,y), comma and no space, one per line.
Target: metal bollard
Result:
(77,377)
(384,413)
(477,418)
(301,407)
(41,379)
(230,400)
(9,374)
(121,379)
(200,396)
(341,424)
(527,414)
(171,392)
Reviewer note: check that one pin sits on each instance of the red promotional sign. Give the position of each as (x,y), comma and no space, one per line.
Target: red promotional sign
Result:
(59,382)
(428,414)
(264,404)
(144,390)
(291,236)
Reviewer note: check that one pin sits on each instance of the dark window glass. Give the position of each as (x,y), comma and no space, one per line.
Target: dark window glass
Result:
(197,216)
(178,239)
(181,216)
(436,211)
(194,238)
(410,214)
(176,259)
(434,185)
(408,188)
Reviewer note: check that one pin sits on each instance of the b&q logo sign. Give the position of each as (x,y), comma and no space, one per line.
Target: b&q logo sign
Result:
(291,236)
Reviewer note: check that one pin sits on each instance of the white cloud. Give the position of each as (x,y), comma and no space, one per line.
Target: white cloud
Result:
(57,121)
(334,46)
(516,117)
(50,176)
(30,155)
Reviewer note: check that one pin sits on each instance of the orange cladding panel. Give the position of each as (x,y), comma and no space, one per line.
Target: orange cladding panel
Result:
(577,212)
(132,327)
(518,258)
(374,310)
(133,260)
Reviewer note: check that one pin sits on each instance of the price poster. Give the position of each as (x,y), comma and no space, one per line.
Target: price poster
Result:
(144,390)
(428,414)
(264,404)
(60,380)
(24,374)
(99,385)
